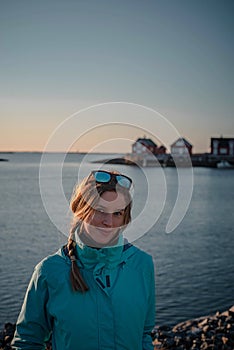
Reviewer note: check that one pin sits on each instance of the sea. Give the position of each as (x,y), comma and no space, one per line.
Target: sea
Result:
(194,264)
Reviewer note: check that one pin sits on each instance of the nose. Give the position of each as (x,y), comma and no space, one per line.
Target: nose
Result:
(107,220)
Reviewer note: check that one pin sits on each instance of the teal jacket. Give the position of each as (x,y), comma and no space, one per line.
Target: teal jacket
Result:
(116,313)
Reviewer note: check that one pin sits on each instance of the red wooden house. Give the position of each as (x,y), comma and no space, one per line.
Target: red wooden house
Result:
(221,146)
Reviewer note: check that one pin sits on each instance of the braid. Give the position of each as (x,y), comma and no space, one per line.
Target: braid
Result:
(77,281)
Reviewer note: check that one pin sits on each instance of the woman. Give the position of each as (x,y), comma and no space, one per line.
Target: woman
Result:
(97,292)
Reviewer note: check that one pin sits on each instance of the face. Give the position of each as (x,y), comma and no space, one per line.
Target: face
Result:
(107,218)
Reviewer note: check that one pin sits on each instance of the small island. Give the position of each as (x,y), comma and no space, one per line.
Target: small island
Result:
(146,153)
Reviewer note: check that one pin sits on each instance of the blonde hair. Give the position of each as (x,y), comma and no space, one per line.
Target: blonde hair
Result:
(84,198)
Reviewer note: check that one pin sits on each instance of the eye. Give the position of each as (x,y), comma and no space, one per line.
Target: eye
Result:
(99,211)
(118,213)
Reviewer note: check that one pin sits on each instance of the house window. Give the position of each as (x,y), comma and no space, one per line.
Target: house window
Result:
(223,151)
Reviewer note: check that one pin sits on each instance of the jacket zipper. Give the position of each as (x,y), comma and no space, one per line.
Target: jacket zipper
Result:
(107,281)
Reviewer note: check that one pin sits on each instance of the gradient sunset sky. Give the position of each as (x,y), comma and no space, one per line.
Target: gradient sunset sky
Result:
(174,56)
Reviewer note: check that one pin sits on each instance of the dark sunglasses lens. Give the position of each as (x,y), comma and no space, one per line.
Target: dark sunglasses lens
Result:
(101,176)
(123,181)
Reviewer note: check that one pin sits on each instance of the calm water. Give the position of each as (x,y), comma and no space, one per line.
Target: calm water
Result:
(194,264)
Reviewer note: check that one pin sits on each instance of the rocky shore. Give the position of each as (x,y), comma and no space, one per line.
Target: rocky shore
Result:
(215,332)
(6,337)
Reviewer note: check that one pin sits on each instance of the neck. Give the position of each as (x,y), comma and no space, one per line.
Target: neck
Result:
(89,241)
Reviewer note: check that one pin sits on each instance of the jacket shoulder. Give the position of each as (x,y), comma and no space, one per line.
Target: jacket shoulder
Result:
(144,256)
(52,264)
(138,256)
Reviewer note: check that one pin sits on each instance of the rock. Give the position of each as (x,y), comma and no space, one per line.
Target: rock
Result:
(210,332)
(6,337)
(206,328)
(231,311)
(225,340)
(203,323)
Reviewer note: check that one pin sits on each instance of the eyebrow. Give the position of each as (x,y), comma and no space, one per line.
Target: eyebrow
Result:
(105,208)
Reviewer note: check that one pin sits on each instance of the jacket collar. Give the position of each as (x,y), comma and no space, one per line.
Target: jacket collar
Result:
(90,257)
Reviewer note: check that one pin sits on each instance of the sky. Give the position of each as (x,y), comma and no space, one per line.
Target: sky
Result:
(59,57)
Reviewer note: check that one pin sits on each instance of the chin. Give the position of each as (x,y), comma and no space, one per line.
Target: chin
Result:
(108,240)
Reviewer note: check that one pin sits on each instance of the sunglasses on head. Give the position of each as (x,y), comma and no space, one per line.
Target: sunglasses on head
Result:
(105,177)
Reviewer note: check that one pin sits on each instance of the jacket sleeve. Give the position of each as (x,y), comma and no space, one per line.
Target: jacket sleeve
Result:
(150,313)
(33,326)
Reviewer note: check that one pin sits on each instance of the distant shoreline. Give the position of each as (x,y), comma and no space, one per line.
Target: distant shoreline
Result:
(206,160)
(58,152)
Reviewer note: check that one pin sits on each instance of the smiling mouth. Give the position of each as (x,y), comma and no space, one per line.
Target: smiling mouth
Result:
(105,231)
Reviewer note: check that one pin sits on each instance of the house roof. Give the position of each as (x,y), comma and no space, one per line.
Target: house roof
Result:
(188,144)
(222,140)
(146,142)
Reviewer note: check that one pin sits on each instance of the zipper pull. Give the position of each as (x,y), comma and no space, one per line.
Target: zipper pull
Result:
(107,281)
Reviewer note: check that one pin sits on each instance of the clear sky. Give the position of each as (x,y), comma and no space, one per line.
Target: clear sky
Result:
(175,56)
